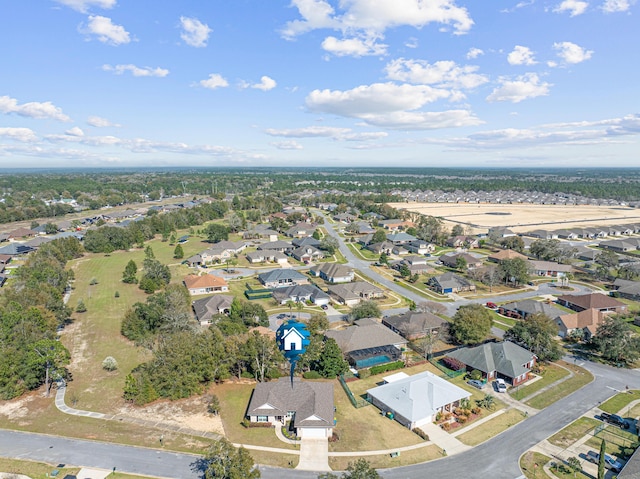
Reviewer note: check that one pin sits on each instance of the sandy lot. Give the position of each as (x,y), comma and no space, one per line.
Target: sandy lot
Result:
(521,218)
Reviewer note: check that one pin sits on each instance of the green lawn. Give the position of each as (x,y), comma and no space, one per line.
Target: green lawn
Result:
(38,470)
(618,402)
(552,373)
(414,456)
(581,377)
(491,428)
(532,463)
(619,443)
(574,431)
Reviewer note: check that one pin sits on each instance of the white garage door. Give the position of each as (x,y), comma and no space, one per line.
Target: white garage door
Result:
(313,432)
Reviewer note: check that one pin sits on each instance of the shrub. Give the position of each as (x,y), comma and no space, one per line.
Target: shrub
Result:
(117,294)
(446,426)
(475,374)
(109,363)
(213,405)
(260,424)
(246,375)
(453,364)
(311,375)
(364,373)
(462,419)
(421,433)
(81,307)
(93,281)
(476,410)
(383,368)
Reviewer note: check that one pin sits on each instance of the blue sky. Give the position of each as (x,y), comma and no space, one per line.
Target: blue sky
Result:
(319,83)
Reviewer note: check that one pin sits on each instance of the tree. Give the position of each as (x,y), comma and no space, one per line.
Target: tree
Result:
(536,333)
(574,464)
(148,253)
(601,457)
(130,271)
(487,402)
(379,236)
(384,259)
(546,250)
(262,354)
(461,263)
(515,243)
(329,244)
(216,232)
(457,230)
(225,461)
(491,277)
(615,340)
(332,362)
(316,235)
(178,252)
(360,469)
(366,309)
(81,307)
(431,307)
(471,324)
(109,363)
(515,270)
(213,405)
(427,342)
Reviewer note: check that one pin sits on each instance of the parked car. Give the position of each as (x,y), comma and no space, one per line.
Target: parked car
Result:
(609,462)
(614,419)
(476,383)
(500,385)
(324,306)
(281,316)
(492,305)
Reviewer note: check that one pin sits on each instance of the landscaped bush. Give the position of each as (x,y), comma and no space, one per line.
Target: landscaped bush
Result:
(475,374)
(260,424)
(383,368)
(446,426)
(311,375)
(364,373)
(421,433)
(109,363)
(453,363)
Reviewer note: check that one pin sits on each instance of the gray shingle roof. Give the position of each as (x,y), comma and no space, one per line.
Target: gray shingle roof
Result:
(370,335)
(311,401)
(504,357)
(411,322)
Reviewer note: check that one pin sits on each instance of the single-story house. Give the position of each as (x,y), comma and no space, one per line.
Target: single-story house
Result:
(505,360)
(351,294)
(21,233)
(463,242)
(599,301)
(264,256)
(306,241)
(526,307)
(415,264)
(413,325)
(333,272)
(415,400)
(281,278)
(307,253)
(451,260)
(302,229)
(550,268)
(401,238)
(450,283)
(205,308)
(505,254)
(207,283)
(627,289)
(419,247)
(394,224)
(368,343)
(261,231)
(280,246)
(309,405)
(586,322)
(303,292)
(385,247)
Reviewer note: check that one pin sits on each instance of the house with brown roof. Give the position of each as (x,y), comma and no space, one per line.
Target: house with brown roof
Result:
(414,325)
(308,405)
(207,283)
(550,268)
(586,322)
(504,255)
(463,242)
(599,301)
(351,294)
(21,233)
(451,260)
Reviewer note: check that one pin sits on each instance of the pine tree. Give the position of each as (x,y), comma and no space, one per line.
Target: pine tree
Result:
(178,252)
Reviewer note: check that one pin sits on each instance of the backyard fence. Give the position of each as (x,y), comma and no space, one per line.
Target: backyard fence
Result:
(357,403)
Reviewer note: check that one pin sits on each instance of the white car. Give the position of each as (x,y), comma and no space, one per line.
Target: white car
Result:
(500,385)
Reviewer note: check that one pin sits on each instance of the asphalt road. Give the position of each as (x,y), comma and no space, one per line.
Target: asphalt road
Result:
(497,458)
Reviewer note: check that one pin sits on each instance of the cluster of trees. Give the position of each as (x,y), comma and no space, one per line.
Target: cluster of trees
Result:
(31,309)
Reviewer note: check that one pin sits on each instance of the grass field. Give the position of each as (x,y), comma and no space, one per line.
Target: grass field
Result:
(531,464)
(574,431)
(618,402)
(551,374)
(581,377)
(414,456)
(491,428)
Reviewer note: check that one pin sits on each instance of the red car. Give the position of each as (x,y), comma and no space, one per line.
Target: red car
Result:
(492,305)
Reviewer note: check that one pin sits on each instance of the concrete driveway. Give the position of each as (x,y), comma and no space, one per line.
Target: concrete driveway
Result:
(314,454)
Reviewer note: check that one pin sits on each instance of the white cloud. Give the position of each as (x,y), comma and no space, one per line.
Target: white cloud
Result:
(194,32)
(19,134)
(615,6)
(287,145)
(266,84)
(373,18)
(338,134)
(391,106)
(214,81)
(574,7)
(474,53)
(106,31)
(84,5)
(136,71)
(411,43)
(75,131)
(443,73)
(572,53)
(38,110)
(521,56)
(523,87)
(99,122)
(353,47)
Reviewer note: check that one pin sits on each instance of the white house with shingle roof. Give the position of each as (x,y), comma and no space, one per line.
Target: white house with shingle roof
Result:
(415,400)
(333,272)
